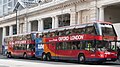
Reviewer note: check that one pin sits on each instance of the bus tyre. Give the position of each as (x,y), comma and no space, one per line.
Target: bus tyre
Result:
(24,55)
(43,57)
(119,58)
(48,57)
(9,55)
(81,58)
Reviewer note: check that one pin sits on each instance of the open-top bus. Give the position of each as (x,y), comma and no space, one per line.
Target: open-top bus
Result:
(86,42)
(22,45)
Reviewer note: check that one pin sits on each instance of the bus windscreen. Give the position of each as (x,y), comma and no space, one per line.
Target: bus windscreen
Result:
(107,30)
(106,46)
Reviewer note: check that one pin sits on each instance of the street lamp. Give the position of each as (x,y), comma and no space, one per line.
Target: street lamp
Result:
(16,19)
(16,10)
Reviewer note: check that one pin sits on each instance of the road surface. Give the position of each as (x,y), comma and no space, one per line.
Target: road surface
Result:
(16,62)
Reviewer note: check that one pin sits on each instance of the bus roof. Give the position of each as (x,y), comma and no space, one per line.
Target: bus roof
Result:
(24,34)
(61,28)
(74,26)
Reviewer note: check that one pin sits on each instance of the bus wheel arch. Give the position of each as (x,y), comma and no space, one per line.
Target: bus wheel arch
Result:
(48,56)
(43,58)
(81,58)
(9,55)
(119,58)
(24,55)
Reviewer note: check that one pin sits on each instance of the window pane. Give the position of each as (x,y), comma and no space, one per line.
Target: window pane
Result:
(64,20)
(9,5)
(0,2)
(90,30)
(4,1)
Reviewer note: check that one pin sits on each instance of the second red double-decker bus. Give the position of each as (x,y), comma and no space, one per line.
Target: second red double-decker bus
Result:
(22,45)
(86,42)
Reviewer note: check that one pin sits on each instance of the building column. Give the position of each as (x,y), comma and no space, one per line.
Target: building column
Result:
(53,22)
(101,14)
(4,34)
(93,14)
(18,26)
(40,25)
(25,25)
(29,26)
(79,20)
(56,21)
(72,18)
(10,30)
(4,31)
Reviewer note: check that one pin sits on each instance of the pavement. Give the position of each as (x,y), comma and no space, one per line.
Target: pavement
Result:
(2,57)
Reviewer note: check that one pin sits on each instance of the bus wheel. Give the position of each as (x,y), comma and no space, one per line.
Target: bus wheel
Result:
(24,55)
(48,57)
(119,58)
(9,55)
(43,56)
(81,58)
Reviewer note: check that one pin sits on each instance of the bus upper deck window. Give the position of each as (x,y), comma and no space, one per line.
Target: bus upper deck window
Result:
(90,30)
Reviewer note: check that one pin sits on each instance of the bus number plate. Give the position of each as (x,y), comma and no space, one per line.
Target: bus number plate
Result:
(108,58)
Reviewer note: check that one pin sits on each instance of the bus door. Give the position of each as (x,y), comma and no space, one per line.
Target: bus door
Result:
(118,50)
(39,47)
(108,49)
(90,49)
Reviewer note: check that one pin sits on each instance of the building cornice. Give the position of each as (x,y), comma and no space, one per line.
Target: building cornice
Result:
(41,8)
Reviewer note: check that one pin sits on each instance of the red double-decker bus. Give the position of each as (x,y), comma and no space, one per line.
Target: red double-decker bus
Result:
(21,45)
(86,42)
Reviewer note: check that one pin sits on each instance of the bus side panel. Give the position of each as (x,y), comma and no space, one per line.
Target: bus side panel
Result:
(39,48)
(49,47)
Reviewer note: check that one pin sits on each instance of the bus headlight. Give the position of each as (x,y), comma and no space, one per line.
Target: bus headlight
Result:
(115,54)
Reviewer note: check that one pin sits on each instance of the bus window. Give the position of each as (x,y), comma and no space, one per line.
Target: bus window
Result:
(48,34)
(80,31)
(106,46)
(107,30)
(90,46)
(28,36)
(59,46)
(14,47)
(72,31)
(63,46)
(44,35)
(31,47)
(56,33)
(24,46)
(90,30)
(78,45)
(53,34)
(74,45)
(62,33)
(68,32)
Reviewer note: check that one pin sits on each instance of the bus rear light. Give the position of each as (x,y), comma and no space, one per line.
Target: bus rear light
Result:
(109,53)
(29,53)
(101,55)
(34,53)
